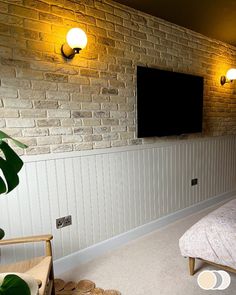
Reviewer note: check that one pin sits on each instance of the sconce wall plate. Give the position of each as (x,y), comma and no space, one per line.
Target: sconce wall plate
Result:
(69,52)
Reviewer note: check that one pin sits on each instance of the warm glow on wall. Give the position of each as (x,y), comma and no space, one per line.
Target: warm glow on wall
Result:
(76,40)
(229,77)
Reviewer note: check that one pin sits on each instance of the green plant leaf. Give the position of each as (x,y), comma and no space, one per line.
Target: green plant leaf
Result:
(11,157)
(2,233)
(10,175)
(18,143)
(14,285)
(3,187)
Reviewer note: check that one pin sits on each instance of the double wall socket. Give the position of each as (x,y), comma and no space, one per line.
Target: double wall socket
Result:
(194,181)
(63,221)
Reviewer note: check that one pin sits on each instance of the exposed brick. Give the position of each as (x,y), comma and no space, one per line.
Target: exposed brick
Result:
(48,123)
(90,106)
(37,150)
(50,18)
(5,113)
(35,132)
(138,18)
(83,130)
(65,13)
(101,114)
(59,114)
(14,62)
(8,92)
(20,123)
(114,19)
(110,91)
(37,25)
(90,73)
(22,11)
(139,35)
(105,24)
(61,148)
(81,114)
(57,95)
(56,77)
(45,85)
(3,7)
(24,33)
(33,114)
(17,103)
(106,41)
(17,83)
(72,138)
(83,18)
(11,20)
(45,104)
(60,130)
(90,101)
(70,105)
(28,73)
(82,146)
(38,5)
(72,87)
(104,6)
(81,97)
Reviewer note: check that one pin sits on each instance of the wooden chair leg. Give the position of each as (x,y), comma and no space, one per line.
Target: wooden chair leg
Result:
(51,277)
(191,265)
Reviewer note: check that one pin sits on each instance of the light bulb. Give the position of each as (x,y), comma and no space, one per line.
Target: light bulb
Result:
(231,74)
(76,38)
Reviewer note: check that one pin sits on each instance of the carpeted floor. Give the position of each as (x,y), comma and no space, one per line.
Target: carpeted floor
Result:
(149,265)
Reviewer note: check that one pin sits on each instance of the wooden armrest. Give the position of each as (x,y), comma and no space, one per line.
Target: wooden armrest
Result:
(42,238)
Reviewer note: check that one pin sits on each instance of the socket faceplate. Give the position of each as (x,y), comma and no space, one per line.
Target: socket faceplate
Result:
(63,221)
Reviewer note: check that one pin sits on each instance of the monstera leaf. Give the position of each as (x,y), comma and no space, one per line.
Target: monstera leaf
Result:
(10,164)
(14,285)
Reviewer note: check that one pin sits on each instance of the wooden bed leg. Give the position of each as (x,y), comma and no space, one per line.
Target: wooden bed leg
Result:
(191,265)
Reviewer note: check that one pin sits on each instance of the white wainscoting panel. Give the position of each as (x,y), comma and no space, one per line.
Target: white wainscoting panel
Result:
(112,191)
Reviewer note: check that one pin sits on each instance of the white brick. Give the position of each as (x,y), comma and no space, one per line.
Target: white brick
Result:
(20,122)
(48,140)
(72,138)
(59,114)
(17,103)
(8,92)
(57,95)
(60,131)
(35,132)
(82,146)
(61,148)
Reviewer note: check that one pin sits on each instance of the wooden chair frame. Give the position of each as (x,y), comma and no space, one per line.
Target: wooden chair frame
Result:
(41,268)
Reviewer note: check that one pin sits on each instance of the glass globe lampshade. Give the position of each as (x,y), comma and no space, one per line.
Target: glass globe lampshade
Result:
(231,74)
(76,38)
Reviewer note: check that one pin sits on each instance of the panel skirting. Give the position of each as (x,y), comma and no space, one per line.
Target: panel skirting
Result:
(113,191)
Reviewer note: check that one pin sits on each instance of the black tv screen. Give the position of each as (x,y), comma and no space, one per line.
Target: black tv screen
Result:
(168,103)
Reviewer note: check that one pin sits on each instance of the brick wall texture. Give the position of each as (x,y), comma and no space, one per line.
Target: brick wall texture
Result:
(58,105)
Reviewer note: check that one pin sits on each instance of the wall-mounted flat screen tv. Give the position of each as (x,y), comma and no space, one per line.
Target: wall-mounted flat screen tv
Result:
(168,103)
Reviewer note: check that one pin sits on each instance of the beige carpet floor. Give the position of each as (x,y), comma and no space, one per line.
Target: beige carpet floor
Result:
(151,265)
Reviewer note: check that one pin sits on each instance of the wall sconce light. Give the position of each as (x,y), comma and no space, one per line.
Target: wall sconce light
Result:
(76,40)
(230,76)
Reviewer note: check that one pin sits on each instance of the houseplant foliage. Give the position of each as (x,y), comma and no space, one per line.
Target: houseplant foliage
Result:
(12,285)
(10,165)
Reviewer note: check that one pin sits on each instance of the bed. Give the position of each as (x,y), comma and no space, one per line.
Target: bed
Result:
(212,239)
